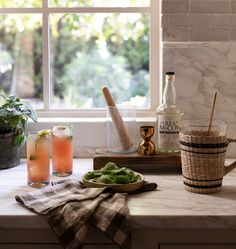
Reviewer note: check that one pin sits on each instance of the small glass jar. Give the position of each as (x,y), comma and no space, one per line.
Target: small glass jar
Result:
(121,129)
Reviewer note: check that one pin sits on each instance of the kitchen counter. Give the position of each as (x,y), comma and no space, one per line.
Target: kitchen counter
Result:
(170,207)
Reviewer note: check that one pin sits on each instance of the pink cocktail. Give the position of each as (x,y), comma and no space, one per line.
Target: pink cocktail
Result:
(62,150)
(38,160)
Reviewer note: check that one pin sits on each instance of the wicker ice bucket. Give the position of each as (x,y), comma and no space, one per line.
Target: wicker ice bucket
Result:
(203,159)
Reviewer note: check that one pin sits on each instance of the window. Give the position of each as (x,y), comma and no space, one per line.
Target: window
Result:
(59,53)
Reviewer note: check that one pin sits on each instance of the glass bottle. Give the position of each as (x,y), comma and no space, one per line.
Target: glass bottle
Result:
(168,116)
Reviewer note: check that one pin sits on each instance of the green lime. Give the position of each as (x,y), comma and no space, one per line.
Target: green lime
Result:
(44,133)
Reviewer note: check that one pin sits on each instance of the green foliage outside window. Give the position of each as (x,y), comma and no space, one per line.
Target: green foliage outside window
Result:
(87,52)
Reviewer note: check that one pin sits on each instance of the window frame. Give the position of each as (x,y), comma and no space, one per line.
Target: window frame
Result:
(155,55)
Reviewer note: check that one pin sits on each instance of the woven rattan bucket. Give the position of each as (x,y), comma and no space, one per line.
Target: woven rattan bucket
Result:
(203,159)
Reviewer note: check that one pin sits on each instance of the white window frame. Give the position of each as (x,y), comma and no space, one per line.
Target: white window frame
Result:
(155,55)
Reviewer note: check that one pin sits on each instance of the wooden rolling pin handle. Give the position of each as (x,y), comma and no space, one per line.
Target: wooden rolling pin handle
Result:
(108,97)
(117,120)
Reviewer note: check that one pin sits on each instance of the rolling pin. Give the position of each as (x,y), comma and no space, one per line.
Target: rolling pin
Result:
(117,120)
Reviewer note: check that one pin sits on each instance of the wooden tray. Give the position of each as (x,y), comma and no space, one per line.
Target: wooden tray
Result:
(161,163)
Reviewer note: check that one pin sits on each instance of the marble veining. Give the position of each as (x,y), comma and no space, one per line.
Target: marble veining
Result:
(201,69)
(171,206)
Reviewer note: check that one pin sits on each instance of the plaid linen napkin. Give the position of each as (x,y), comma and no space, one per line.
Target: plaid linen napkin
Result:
(69,208)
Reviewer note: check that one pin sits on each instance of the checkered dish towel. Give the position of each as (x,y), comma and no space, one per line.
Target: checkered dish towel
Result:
(68,209)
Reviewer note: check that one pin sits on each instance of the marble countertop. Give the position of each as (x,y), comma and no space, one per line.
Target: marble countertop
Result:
(171,206)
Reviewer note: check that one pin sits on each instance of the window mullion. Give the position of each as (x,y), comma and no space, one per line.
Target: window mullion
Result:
(20,10)
(46,56)
(155,55)
(99,9)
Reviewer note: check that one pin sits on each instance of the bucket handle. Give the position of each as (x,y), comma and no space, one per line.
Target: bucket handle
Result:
(232,166)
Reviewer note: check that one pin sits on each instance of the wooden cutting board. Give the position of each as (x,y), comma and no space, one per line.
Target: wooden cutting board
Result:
(161,163)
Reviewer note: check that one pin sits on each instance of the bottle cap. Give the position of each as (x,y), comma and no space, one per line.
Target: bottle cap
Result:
(170,73)
(170,76)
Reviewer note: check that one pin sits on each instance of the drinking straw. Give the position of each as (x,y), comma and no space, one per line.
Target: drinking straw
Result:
(212,112)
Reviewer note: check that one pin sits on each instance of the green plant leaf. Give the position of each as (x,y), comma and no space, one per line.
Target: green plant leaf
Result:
(3,100)
(31,113)
(14,121)
(14,114)
(3,112)
(19,140)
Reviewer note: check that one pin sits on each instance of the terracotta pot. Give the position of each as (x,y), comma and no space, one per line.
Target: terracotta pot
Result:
(9,152)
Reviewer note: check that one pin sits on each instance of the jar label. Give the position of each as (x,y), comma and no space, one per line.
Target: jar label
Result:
(168,132)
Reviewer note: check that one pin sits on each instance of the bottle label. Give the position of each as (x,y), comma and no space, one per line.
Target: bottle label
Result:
(168,132)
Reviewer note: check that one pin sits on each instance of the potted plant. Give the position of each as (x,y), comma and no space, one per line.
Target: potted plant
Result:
(14,114)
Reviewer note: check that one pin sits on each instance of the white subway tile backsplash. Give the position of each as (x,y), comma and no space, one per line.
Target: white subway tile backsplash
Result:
(186,20)
(233,34)
(199,20)
(175,34)
(210,34)
(220,20)
(175,6)
(165,21)
(210,6)
(233,6)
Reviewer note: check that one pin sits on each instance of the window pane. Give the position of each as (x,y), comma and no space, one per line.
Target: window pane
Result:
(89,51)
(21,56)
(20,3)
(99,3)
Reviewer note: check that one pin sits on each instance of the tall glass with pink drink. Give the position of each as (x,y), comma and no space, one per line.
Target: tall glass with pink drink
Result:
(62,150)
(38,159)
